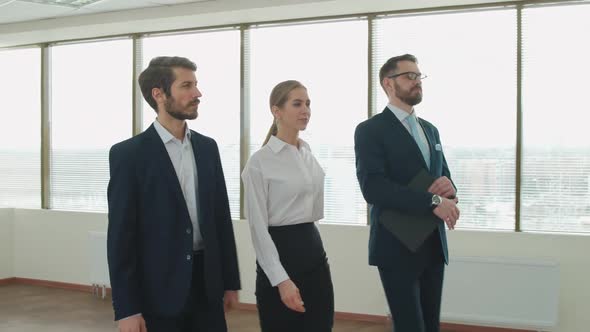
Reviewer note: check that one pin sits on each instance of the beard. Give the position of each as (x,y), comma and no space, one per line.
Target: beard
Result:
(410,97)
(187,112)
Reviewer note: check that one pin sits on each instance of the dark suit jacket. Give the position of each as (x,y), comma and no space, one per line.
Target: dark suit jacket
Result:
(150,241)
(387,158)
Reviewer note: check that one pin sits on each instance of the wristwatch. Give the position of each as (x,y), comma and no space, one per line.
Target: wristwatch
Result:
(436,200)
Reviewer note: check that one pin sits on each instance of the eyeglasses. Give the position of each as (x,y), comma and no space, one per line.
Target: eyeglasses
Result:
(410,75)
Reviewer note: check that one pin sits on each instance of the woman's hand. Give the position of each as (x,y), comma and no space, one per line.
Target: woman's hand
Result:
(290,296)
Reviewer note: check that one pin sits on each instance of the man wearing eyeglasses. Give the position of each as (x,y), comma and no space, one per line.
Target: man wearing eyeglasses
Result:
(391,148)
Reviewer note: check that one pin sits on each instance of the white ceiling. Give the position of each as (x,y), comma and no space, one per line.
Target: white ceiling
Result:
(25,23)
(12,11)
(19,11)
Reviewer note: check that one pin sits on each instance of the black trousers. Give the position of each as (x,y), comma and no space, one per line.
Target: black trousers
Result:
(303,257)
(200,314)
(414,296)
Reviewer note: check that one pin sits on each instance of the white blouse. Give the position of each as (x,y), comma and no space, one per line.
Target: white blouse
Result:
(283,186)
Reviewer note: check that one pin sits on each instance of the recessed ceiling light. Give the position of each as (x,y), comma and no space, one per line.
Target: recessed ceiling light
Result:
(64,3)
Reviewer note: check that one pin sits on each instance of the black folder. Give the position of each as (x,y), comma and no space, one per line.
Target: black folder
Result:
(411,229)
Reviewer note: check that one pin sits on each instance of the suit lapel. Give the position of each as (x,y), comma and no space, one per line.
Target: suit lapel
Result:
(163,160)
(391,118)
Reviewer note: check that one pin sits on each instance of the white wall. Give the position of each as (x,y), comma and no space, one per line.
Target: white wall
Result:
(569,251)
(6,243)
(51,245)
(221,12)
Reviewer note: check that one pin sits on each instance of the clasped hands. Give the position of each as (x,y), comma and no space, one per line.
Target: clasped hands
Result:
(447,210)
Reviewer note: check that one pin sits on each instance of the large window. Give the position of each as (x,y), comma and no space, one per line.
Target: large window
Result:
(556,144)
(20,131)
(91,109)
(334,72)
(470,95)
(217,56)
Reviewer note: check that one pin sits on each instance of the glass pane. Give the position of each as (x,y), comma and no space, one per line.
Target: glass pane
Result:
(556,148)
(470,96)
(91,110)
(20,131)
(335,74)
(217,56)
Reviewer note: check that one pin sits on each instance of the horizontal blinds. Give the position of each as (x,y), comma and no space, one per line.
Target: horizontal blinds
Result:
(556,149)
(469,95)
(334,70)
(217,55)
(91,109)
(20,131)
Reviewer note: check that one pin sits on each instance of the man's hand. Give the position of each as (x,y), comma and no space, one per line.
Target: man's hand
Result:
(290,296)
(230,300)
(443,187)
(132,324)
(448,211)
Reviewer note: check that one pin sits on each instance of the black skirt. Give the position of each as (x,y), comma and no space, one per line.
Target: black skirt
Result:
(302,255)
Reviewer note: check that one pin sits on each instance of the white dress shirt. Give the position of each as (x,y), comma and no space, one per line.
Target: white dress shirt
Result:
(403,118)
(183,159)
(283,186)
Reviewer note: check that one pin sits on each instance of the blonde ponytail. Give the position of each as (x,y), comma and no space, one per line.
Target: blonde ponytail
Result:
(271,132)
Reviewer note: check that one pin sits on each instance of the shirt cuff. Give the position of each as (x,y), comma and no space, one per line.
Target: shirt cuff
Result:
(276,275)
(139,314)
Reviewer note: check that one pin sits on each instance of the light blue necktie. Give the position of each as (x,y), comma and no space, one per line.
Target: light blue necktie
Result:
(414,131)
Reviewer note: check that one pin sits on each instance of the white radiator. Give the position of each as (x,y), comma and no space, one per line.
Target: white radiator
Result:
(99,269)
(501,292)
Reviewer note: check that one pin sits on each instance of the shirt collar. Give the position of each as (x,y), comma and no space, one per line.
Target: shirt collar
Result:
(276,144)
(401,114)
(165,135)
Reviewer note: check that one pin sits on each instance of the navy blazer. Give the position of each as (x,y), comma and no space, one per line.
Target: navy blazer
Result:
(387,158)
(150,241)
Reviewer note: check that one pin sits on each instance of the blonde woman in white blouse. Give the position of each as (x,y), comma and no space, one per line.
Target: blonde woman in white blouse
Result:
(284,186)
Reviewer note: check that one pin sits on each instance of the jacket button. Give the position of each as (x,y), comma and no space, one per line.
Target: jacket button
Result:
(188,257)
(188,231)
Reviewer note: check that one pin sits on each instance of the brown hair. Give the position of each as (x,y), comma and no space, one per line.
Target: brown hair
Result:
(159,74)
(278,97)
(390,66)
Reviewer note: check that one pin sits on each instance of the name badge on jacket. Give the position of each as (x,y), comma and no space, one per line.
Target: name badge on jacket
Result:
(438,147)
